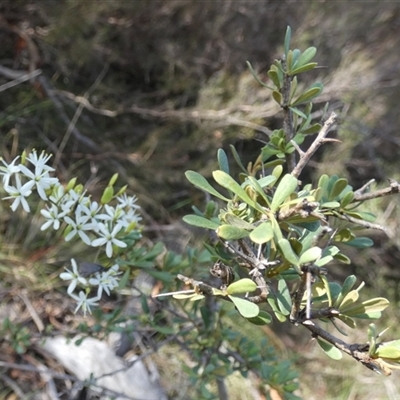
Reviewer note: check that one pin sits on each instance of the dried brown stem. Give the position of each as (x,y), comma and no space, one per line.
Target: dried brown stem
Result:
(319,140)
(392,189)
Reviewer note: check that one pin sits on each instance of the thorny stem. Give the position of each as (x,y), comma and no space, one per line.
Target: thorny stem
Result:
(358,351)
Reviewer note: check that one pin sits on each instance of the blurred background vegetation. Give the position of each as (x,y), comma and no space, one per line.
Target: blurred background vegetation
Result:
(150,89)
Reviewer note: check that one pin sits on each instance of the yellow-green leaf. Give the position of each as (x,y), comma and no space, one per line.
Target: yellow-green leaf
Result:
(263,233)
(241,286)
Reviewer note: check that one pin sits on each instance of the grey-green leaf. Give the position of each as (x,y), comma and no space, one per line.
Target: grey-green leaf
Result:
(201,222)
(199,181)
(223,161)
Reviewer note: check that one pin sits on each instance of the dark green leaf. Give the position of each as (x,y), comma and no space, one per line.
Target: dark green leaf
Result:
(360,242)
(263,318)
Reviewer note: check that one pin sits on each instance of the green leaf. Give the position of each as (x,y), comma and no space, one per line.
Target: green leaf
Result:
(338,188)
(277,97)
(304,68)
(199,181)
(230,232)
(362,310)
(223,161)
(286,187)
(389,350)
(238,222)
(315,128)
(246,308)
(288,252)
(286,43)
(347,199)
(348,300)
(310,255)
(263,318)
(201,222)
(330,349)
(275,78)
(275,309)
(263,233)
(298,112)
(255,76)
(314,91)
(330,204)
(283,297)
(229,183)
(348,321)
(242,286)
(307,56)
(347,286)
(360,242)
(259,189)
(237,158)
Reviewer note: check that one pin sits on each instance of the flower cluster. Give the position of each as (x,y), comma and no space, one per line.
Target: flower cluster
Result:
(98,225)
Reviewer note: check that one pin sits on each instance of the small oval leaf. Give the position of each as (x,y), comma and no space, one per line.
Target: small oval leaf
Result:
(230,232)
(263,233)
(242,286)
(310,255)
(201,222)
(246,308)
(330,349)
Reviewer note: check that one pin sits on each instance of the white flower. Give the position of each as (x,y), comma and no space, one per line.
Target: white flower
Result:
(128,201)
(91,209)
(41,179)
(53,216)
(40,162)
(129,217)
(73,276)
(79,226)
(8,170)
(106,280)
(84,302)
(19,193)
(113,213)
(108,238)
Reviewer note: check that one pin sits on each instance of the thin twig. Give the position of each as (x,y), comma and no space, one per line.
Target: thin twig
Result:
(358,351)
(319,140)
(392,189)
(22,78)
